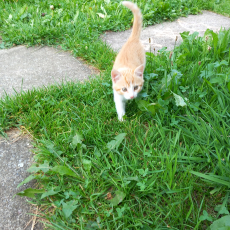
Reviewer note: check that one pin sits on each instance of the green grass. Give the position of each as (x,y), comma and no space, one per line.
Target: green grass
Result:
(164,166)
(167,165)
(218,6)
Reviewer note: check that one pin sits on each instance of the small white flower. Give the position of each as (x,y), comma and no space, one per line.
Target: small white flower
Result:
(52,7)
(86,47)
(209,48)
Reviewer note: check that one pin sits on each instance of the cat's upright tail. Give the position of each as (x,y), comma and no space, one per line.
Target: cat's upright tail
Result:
(137,24)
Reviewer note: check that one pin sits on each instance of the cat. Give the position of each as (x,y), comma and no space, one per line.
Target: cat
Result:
(129,65)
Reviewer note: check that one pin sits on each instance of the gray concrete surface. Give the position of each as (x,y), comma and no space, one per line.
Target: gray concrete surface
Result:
(15,158)
(40,66)
(24,68)
(164,34)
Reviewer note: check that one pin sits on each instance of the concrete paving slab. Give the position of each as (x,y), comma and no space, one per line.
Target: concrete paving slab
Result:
(26,68)
(164,34)
(15,158)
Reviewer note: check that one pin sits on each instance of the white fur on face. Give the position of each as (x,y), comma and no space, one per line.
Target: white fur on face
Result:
(130,93)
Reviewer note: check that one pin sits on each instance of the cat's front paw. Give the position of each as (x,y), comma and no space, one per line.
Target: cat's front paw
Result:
(120,117)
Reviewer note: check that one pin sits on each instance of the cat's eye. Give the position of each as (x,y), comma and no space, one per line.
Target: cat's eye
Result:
(124,89)
(136,87)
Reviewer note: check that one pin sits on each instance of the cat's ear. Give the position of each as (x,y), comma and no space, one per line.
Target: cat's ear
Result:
(115,75)
(139,71)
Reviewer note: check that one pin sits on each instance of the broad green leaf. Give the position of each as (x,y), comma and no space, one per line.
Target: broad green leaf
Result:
(211,67)
(211,178)
(146,106)
(205,216)
(175,73)
(142,105)
(151,75)
(97,152)
(143,172)
(87,164)
(93,225)
(63,170)
(77,139)
(221,224)
(223,62)
(179,100)
(215,80)
(2,45)
(184,35)
(44,167)
(49,193)
(69,207)
(148,153)
(50,146)
(221,209)
(30,192)
(144,94)
(70,193)
(29,178)
(215,40)
(114,144)
(141,185)
(119,197)
(152,108)
(132,178)
(165,82)
(120,211)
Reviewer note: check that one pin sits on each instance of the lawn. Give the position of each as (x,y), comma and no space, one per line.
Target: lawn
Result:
(167,165)
(218,6)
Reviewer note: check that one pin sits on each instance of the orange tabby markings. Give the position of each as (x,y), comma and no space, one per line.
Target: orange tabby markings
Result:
(129,65)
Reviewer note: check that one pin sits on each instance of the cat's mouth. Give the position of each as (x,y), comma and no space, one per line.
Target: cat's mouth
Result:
(130,97)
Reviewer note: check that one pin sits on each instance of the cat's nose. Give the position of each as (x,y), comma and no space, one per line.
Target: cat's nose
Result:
(131,97)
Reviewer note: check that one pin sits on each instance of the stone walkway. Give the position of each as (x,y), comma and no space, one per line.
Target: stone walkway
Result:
(23,69)
(164,34)
(26,68)
(15,158)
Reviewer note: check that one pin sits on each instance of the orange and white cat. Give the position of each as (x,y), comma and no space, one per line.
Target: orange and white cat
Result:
(129,65)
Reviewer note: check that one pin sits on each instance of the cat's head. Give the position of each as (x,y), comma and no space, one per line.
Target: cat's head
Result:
(128,82)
